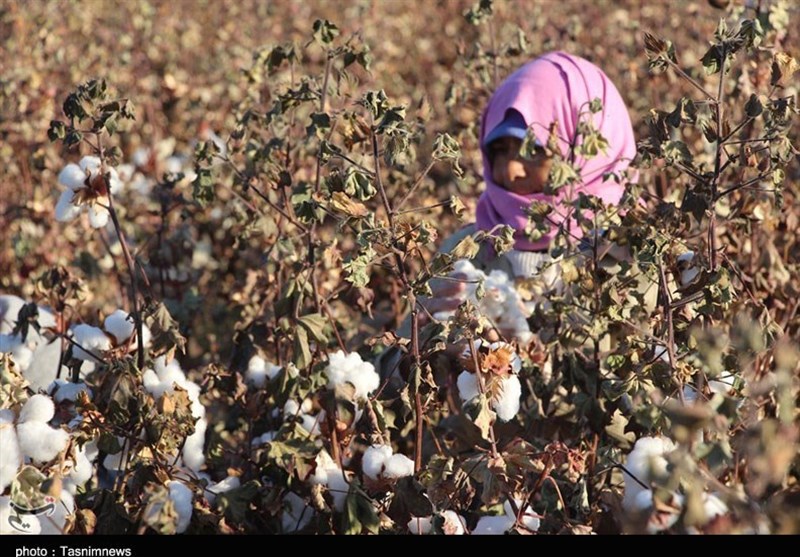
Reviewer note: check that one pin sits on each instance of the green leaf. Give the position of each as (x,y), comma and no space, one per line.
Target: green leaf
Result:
(235,503)
(616,430)
(302,352)
(325,31)
(358,184)
(315,323)
(445,148)
(203,187)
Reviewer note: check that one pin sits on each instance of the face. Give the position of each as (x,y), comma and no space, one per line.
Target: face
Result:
(510,171)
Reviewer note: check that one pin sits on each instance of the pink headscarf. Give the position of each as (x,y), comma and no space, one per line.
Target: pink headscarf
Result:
(556,86)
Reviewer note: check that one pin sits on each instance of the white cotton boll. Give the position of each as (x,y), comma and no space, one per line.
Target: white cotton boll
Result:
(10,455)
(713,506)
(468,387)
(323,462)
(66,210)
(141,156)
(182,500)
(38,408)
(365,380)
(98,216)
(352,369)
(398,466)
(645,462)
(374,459)
(62,390)
(690,394)
(296,513)
(222,486)
(291,408)
(192,454)
(114,182)
(260,371)
(529,519)
(689,275)
(420,525)
(82,470)
(454,524)
(40,442)
(120,324)
(338,488)
(642,501)
(311,423)
(72,176)
(89,339)
(493,525)
(7,416)
(506,404)
(90,163)
(723,384)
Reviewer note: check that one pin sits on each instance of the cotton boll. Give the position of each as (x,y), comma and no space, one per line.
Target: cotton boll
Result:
(62,390)
(54,525)
(352,369)
(454,524)
(713,506)
(260,371)
(311,423)
(40,442)
(506,404)
(338,488)
(38,408)
(114,462)
(529,520)
(73,177)
(82,471)
(374,459)
(645,462)
(66,211)
(223,486)
(493,525)
(398,466)
(420,525)
(296,513)
(468,387)
(10,455)
(182,499)
(119,324)
(98,216)
(89,339)
(192,454)
(291,408)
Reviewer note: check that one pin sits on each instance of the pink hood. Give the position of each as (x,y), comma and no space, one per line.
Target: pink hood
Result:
(556,86)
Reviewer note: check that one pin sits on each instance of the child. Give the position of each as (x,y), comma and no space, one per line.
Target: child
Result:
(554,89)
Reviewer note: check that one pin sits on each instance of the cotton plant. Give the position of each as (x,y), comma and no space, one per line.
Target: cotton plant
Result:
(528,521)
(89,186)
(499,370)
(379,463)
(297,513)
(350,368)
(647,464)
(453,524)
(38,354)
(329,475)
(303,412)
(28,437)
(260,372)
(161,379)
(500,301)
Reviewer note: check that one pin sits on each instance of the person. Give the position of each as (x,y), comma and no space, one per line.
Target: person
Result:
(551,92)
(543,101)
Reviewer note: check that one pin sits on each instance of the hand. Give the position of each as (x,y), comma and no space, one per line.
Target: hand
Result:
(447,295)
